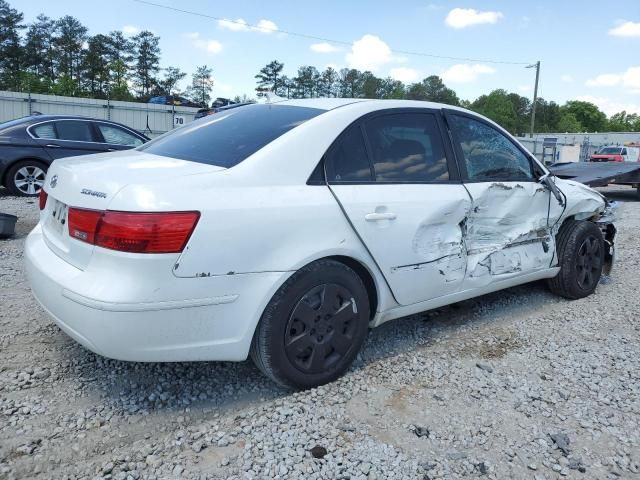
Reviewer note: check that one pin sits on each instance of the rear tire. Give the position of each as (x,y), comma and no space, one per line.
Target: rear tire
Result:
(313,327)
(580,248)
(26,178)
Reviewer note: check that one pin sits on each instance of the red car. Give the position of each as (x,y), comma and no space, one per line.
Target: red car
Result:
(616,154)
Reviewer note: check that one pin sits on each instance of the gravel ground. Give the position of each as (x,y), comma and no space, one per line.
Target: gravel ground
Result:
(517,384)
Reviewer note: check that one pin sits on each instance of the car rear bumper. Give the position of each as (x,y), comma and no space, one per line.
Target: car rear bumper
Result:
(210,318)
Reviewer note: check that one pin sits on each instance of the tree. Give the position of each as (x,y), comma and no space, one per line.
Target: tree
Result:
(172,75)
(11,53)
(39,52)
(306,82)
(432,89)
(69,50)
(96,71)
(624,122)
(371,85)
(569,123)
(522,109)
(587,114)
(120,54)
(390,88)
(326,83)
(349,83)
(147,62)
(201,85)
(268,78)
(547,116)
(499,108)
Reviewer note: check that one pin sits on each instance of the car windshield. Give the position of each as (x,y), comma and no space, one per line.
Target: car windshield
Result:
(227,138)
(610,151)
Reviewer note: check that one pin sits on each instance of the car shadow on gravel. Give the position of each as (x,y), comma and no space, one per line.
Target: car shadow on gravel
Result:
(131,387)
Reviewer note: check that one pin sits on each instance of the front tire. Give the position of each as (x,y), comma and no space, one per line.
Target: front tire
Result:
(313,327)
(26,178)
(580,248)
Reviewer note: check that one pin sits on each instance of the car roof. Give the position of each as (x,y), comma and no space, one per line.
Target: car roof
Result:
(332,103)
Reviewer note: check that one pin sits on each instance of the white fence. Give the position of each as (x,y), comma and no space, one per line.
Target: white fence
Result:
(150,119)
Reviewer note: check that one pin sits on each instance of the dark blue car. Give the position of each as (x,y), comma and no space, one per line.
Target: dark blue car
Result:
(28,145)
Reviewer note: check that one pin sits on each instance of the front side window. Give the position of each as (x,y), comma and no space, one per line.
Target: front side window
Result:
(74,130)
(227,138)
(119,136)
(407,147)
(488,154)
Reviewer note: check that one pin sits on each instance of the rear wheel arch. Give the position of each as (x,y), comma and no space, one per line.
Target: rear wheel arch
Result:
(365,275)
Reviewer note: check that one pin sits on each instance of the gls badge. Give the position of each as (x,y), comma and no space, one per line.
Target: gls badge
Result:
(54,181)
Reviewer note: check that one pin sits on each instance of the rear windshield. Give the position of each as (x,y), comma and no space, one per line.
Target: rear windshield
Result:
(611,151)
(226,138)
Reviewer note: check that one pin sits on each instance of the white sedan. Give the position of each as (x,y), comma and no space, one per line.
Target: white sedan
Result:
(284,231)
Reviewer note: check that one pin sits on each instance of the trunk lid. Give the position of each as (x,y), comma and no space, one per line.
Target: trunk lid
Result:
(91,182)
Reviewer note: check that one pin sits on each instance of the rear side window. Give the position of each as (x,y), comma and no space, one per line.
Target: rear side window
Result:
(407,147)
(117,135)
(488,154)
(227,138)
(44,130)
(76,131)
(347,161)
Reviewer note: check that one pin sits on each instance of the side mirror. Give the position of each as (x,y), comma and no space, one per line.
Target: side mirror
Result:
(548,182)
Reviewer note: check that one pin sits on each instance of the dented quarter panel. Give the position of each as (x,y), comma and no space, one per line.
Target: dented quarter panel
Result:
(507,231)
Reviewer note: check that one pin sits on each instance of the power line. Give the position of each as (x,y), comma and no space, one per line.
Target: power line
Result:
(324,39)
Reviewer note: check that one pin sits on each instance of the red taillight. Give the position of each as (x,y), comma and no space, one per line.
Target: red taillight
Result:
(617,158)
(43,198)
(83,224)
(165,232)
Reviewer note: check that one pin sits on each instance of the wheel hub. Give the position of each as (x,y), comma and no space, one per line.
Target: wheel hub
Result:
(321,327)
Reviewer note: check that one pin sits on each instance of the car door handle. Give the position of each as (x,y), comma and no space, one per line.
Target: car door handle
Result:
(111,149)
(374,217)
(52,145)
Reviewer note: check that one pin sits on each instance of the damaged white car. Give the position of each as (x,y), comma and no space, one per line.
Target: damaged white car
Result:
(284,231)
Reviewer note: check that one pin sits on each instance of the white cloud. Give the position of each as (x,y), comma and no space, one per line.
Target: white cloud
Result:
(626,29)
(241,25)
(404,74)
(609,106)
(629,79)
(130,30)
(465,73)
(237,25)
(566,78)
(466,17)
(265,26)
(323,47)
(369,53)
(208,45)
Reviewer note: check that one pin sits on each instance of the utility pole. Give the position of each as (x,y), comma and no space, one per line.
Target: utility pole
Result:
(535,96)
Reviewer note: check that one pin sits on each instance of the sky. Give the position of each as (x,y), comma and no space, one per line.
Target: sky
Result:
(588,49)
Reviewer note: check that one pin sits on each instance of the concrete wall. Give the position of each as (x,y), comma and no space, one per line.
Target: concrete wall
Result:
(150,119)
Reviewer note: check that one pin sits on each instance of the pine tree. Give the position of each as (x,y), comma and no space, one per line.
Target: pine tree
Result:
(11,53)
(69,52)
(269,77)
(201,85)
(147,62)
(39,53)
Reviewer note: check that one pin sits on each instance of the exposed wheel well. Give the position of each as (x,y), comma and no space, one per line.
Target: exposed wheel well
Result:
(366,278)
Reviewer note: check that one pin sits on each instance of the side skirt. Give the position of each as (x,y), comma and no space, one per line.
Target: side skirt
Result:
(438,302)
